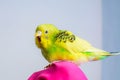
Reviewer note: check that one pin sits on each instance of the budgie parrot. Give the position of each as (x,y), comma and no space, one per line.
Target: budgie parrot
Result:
(58,45)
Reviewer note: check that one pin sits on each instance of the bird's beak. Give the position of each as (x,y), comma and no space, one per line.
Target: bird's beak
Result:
(38,35)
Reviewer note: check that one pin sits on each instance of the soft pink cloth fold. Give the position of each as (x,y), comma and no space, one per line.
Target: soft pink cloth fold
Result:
(62,70)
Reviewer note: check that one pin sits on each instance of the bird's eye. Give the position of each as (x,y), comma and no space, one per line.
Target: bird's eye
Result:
(46,31)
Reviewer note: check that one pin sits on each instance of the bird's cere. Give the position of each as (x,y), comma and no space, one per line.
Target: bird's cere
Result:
(38,33)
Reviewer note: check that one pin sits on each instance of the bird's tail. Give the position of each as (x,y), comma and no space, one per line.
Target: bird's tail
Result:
(114,53)
(103,55)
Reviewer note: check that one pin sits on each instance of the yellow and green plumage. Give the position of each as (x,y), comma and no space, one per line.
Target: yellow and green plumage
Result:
(58,44)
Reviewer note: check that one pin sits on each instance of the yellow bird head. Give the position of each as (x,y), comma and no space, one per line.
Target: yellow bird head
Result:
(45,35)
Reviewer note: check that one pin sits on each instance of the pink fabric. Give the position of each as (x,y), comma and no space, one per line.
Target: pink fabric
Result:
(62,70)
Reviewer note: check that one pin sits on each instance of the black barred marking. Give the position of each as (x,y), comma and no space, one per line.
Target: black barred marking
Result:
(64,36)
(71,38)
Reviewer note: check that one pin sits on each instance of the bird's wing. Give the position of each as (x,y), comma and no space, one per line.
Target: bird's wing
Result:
(72,43)
(78,46)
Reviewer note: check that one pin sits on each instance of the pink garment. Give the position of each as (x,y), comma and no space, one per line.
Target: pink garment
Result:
(62,70)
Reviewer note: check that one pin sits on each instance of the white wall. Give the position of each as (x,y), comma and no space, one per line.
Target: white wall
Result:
(19,56)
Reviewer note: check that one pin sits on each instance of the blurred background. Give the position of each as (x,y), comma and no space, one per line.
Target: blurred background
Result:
(97,21)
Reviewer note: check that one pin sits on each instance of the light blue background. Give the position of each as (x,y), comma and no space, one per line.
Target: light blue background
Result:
(19,57)
(111,38)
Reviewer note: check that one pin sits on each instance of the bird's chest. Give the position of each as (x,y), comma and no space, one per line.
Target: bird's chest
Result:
(54,53)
